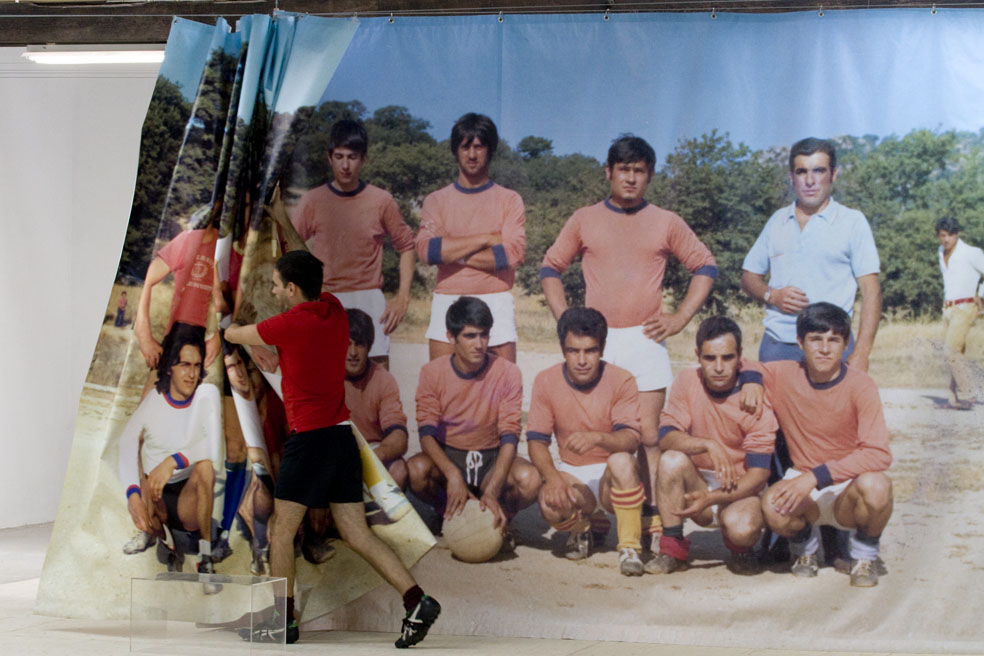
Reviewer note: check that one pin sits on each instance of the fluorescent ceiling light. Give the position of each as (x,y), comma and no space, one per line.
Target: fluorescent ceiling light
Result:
(115,54)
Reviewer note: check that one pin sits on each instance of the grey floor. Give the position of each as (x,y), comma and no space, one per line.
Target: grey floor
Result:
(22,632)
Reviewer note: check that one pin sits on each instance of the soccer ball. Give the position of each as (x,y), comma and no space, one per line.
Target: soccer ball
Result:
(471,535)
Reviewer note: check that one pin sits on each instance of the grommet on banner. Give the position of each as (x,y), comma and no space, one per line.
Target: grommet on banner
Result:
(391,19)
(714,13)
(606,15)
(932,12)
(820,13)
(500,16)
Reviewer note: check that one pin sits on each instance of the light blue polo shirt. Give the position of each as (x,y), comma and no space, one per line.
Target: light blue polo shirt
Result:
(824,259)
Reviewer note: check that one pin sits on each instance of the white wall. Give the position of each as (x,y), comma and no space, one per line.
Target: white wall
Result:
(69,139)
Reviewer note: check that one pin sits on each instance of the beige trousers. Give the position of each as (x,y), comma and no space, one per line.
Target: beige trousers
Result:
(957,320)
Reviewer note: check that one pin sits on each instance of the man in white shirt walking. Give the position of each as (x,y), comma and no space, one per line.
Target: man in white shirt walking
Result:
(962,266)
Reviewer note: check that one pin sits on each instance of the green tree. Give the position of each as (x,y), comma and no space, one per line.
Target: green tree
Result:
(196,170)
(532,147)
(725,192)
(394,125)
(160,141)
(902,185)
(554,188)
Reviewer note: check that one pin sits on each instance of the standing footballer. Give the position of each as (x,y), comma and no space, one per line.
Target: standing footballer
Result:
(321,464)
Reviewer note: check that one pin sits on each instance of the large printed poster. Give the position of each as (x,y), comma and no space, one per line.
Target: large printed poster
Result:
(721,100)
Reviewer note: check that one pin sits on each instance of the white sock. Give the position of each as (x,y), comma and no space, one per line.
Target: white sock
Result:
(807,547)
(861,550)
(204,547)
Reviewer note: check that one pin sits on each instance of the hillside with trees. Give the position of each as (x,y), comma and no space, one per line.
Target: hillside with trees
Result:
(724,190)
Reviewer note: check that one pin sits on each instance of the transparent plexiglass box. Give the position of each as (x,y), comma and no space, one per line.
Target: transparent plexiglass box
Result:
(184,613)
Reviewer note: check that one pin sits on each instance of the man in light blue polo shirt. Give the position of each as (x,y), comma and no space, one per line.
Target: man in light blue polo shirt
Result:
(813,250)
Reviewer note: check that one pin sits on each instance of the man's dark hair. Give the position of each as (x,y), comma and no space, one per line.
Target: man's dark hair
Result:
(714,327)
(582,322)
(474,126)
(629,148)
(346,133)
(304,270)
(812,145)
(180,335)
(947,223)
(468,311)
(821,317)
(361,330)
(228,348)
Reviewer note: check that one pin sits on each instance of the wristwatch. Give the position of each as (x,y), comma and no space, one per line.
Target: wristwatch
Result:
(767,295)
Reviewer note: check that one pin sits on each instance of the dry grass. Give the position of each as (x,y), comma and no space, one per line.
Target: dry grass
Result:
(907,353)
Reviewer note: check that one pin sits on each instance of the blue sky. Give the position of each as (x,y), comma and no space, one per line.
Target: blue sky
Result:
(766,79)
(290,60)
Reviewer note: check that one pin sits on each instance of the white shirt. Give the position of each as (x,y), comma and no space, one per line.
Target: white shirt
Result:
(962,272)
(192,432)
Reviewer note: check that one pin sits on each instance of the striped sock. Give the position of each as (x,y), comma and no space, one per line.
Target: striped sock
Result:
(627,504)
(576,523)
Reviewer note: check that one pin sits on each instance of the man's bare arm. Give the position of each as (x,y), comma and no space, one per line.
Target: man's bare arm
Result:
(553,291)
(691,445)
(392,446)
(666,325)
(150,348)
(789,300)
(871,306)
(396,308)
(244,335)
(749,484)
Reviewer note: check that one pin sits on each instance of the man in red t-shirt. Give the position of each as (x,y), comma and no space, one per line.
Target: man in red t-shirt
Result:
(321,464)
(343,222)
(190,256)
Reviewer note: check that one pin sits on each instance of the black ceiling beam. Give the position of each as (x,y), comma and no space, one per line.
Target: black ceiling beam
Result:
(27,23)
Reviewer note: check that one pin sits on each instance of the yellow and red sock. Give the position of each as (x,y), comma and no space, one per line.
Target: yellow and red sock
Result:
(576,523)
(627,504)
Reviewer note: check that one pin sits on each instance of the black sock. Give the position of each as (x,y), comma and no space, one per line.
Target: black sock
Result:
(675,532)
(861,536)
(290,608)
(412,597)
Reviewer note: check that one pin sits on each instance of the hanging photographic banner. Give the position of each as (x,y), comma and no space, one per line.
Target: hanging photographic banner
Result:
(721,98)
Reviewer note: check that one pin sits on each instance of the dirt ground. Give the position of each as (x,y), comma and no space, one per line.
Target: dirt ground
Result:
(928,601)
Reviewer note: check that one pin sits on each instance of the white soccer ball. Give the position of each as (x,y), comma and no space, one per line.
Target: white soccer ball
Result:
(471,535)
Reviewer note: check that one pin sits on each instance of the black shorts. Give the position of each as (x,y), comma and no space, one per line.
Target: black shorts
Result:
(170,495)
(320,467)
(474,465)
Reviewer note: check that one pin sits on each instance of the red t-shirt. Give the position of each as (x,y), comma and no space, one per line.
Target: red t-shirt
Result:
(311,339)
(193,265)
